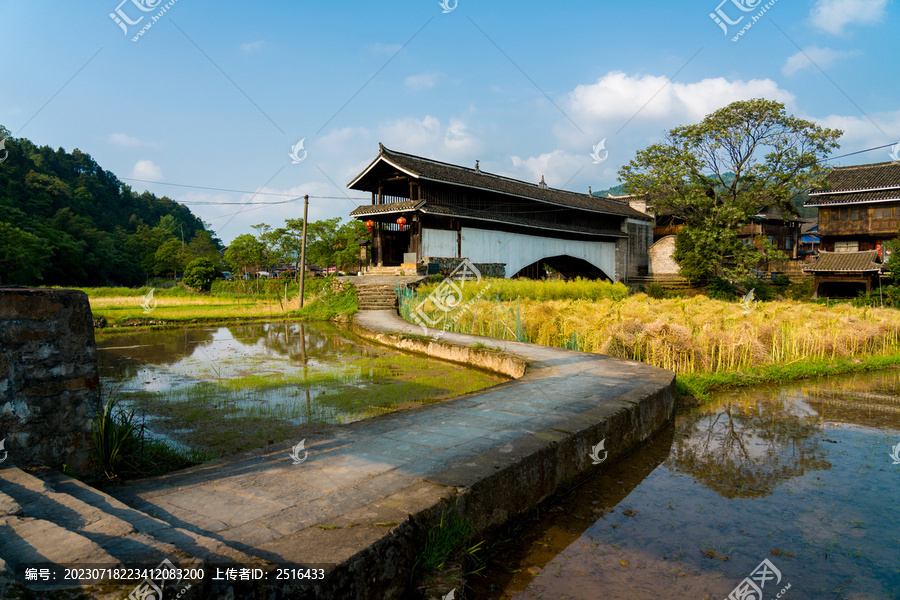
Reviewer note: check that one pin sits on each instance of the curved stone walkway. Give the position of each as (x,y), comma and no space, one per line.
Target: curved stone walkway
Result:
(361,501)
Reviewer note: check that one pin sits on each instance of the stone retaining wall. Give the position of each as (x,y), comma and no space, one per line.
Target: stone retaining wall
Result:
(49,384)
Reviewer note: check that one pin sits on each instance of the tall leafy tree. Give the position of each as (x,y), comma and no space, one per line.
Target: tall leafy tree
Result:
(203,246)
(244,253)
(23,256)
(716,175)
(169,257)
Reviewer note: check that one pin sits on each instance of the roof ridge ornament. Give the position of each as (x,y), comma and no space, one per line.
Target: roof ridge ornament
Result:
(477,168)
(542,184)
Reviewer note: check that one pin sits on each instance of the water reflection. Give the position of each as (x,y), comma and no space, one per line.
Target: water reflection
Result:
(228,389)
(743,447)
(800,475)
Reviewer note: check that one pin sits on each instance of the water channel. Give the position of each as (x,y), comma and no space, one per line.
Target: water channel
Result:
(228,389)
(805,476)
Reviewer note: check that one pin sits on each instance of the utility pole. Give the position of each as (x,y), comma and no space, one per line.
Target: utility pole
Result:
(303,248)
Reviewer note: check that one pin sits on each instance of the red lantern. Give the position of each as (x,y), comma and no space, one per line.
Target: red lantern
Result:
(401,222)
(370,224)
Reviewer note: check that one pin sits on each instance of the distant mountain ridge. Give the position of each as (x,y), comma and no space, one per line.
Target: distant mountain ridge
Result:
(64,220)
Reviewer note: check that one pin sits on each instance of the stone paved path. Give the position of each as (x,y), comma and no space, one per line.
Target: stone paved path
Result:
(350,499)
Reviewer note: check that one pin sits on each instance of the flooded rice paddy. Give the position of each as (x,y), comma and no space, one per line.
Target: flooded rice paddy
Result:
(805,476)
(228,389)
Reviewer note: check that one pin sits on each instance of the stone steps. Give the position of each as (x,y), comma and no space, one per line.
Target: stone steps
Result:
(50,517)
(376,296)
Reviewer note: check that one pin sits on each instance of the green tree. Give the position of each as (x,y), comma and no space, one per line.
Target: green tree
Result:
(202,246)
(244,252)
(716,175)
(169,257)
(200,273)
(331,243)
(23,256)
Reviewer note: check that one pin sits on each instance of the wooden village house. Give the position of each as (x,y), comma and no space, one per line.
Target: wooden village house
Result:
(859,210)
(769,223)
(433,214)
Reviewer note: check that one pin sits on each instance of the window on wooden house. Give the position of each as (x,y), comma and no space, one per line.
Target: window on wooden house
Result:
(846,246)
(854,213)
(788,243)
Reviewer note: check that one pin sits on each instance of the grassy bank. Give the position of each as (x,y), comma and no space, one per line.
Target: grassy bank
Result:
(700,386)
(324,299)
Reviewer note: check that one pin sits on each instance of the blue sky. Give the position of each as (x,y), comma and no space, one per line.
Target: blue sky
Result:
(216,94)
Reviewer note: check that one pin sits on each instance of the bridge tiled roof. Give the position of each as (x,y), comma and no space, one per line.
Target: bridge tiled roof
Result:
(426,169)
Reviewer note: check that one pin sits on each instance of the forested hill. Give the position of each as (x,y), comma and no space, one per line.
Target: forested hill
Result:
(66,221)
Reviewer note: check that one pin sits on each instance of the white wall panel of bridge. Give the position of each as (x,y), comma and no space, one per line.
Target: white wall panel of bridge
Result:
(439,243)
(519,251)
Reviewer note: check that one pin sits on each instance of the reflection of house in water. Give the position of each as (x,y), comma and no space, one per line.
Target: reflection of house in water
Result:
(877,409)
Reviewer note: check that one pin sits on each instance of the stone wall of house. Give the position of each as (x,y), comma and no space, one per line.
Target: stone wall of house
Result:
(661,261)
(445,266)
(49,383)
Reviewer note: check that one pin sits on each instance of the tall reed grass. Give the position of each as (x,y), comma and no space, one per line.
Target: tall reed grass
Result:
(686,335)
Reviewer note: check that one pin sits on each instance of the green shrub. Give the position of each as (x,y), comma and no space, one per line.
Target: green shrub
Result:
(115,437)
(781,281)
(762,291)
(800,291)
(655,291)
(891,295)
(721,289)
(200,274)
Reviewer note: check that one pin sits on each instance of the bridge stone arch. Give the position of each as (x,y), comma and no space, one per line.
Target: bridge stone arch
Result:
(518,251)
(568,266)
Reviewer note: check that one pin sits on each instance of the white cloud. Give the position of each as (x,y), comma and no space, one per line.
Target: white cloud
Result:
(617,97)
(422,81)
(823,57)
(833,15)
(252,47)
(860,133)
(124,140)
(557,168)
(428,137)
(146,170)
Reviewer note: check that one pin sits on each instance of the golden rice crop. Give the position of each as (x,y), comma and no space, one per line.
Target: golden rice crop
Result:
(689,335)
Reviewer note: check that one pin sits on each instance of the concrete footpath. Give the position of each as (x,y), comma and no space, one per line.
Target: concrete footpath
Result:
(359,504)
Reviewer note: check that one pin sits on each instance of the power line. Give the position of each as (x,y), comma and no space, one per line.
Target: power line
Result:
(239,203)
(202,187)
(859,152)
(292,197)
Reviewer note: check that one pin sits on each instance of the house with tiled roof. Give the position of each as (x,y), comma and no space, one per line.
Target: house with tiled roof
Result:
(859,207)
(425,211)
(836,273)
